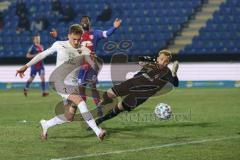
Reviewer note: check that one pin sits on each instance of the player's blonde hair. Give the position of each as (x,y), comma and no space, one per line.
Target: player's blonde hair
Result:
(166,52)
(75,29)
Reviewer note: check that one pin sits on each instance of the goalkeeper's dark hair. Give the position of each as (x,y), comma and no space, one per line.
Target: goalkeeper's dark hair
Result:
(167,53)
(75,29)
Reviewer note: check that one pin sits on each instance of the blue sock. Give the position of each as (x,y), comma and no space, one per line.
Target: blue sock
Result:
(27,84)
(43,86)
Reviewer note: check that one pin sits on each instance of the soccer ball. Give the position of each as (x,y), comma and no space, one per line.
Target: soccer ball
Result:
(163,111)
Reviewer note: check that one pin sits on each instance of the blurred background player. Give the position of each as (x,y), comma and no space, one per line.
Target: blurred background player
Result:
(38,67)
(90,39)
(146,83)
(66,50)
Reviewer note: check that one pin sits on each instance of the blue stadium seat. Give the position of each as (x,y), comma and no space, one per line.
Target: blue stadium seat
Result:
(150,25)
(221,34)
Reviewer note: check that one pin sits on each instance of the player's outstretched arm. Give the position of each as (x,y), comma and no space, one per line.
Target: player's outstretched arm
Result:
(36,59)
(21,71)
(104,34)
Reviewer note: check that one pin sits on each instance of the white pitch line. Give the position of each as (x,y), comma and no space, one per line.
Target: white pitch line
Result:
(146,148)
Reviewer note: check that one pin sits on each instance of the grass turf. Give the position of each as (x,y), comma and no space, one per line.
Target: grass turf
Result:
(198,114)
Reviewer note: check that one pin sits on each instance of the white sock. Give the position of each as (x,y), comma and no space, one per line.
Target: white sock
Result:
(82,106)
(59,119)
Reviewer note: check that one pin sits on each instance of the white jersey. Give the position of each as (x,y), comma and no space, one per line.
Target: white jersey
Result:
(65,52)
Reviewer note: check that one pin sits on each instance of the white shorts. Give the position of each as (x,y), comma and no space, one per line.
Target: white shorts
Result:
(64,97)
(68,86)
(71,90)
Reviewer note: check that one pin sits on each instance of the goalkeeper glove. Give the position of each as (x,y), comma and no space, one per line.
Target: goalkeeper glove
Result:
(175,68)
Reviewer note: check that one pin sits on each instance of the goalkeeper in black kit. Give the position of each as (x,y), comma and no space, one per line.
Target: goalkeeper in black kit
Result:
(148,82)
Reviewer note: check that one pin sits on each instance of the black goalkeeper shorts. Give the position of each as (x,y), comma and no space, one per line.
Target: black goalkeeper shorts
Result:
(137,90)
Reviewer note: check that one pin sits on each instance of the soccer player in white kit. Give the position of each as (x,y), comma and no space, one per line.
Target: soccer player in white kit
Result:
(66,50)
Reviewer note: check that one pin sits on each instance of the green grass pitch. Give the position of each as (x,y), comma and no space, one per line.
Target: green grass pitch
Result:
(205,125)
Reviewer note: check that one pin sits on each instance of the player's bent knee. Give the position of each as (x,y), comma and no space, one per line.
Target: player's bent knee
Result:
(69,116)
(76,99)
(70,113)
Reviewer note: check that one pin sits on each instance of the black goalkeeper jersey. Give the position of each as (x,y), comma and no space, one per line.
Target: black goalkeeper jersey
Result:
(154,72)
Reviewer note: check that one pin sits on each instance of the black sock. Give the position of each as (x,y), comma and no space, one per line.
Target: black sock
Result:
(112,113)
